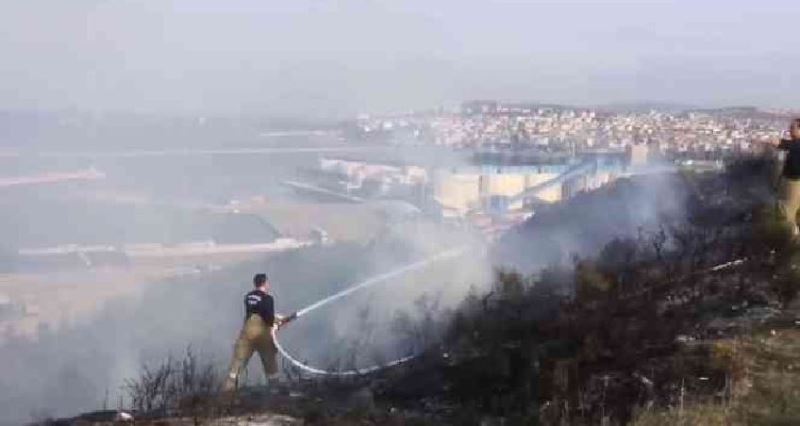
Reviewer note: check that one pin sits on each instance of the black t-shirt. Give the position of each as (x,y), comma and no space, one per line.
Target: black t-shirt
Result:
(258,302)
(791,167)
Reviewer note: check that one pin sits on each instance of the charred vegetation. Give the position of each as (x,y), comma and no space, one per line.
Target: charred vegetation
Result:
(641,330)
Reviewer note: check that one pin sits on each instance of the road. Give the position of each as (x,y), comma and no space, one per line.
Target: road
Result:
(197,152)
(51,178)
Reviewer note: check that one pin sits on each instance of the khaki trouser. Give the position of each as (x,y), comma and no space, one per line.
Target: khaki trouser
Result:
(789,202)
(255,336)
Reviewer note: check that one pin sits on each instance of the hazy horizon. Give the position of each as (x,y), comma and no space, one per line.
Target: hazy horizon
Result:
(335,59)
(156,154)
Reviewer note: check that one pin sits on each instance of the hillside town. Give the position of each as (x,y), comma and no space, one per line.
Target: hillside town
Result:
(679,133)
(513,159)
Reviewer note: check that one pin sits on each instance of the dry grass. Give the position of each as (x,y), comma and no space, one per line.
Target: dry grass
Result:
(765,385)
(187,387)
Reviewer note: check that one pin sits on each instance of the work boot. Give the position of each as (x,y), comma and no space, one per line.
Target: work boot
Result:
(231,383)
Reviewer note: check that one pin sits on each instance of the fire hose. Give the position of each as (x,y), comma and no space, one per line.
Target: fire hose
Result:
(378,279)
(370,282)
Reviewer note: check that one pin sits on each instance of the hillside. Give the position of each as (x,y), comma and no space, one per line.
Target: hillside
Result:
(688,316)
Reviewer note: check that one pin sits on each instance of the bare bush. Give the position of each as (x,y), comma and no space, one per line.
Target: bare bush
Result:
(421,328)
(186,387)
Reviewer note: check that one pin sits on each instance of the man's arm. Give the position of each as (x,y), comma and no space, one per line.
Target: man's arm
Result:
(267,309)
(780,144)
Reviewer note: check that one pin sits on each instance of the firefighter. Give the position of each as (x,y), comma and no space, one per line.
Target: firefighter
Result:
(789,201)
(256,334)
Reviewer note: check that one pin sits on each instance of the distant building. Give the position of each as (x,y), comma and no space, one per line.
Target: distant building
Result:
(457,193)
(496,188)
(637,154)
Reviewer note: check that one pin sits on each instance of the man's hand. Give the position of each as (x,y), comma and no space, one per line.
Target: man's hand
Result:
(278,321)
(281,320)
(770,141)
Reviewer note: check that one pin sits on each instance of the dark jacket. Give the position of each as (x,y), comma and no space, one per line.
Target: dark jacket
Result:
(260,303)
(791,167)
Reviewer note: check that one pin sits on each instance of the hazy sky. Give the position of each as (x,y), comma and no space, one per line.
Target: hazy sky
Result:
(341,57)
